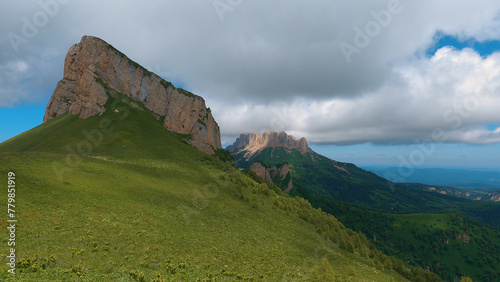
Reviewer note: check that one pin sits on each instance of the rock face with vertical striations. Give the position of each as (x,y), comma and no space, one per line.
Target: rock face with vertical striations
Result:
(93,67)
(253,143)
(278,175)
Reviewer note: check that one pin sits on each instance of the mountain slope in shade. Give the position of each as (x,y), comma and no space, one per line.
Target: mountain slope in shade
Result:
(357,197)
(449,244)
(317,175)
(314,175)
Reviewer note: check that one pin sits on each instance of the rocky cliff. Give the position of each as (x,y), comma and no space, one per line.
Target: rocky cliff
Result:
(261,171)
(253,143)
(93,67)
(276,175)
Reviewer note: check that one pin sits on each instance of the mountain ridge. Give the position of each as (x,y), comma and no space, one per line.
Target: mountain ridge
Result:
(315,175)
(253,143)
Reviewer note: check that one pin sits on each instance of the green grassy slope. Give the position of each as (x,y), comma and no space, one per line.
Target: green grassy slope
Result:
(118,197)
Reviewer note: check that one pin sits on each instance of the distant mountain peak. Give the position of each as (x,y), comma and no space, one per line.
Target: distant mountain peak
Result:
(253,143)
(94,70)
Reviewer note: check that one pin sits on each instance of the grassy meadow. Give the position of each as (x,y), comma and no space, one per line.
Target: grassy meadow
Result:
(119,198)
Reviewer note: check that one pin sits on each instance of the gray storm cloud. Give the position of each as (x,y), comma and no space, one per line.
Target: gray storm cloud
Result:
(281,65)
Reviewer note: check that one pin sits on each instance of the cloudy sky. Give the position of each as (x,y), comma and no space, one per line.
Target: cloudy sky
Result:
(369,82)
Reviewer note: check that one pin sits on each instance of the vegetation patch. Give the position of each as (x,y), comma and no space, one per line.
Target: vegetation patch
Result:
(166,84)
(186,93)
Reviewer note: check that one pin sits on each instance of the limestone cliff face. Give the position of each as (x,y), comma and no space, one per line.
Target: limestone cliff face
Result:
(253,143)
(261,171)
(278,173)
(93,63)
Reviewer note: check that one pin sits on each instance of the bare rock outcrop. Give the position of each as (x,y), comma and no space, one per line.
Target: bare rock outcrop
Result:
(261,171)
(253,143)
(92,65)
(278,173)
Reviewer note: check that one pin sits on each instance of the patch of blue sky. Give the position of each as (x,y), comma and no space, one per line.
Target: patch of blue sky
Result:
(20,119)
(483,48)
(492,126)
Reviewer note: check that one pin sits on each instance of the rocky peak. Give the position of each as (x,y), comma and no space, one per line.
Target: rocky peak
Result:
(254,143)
(93,68)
